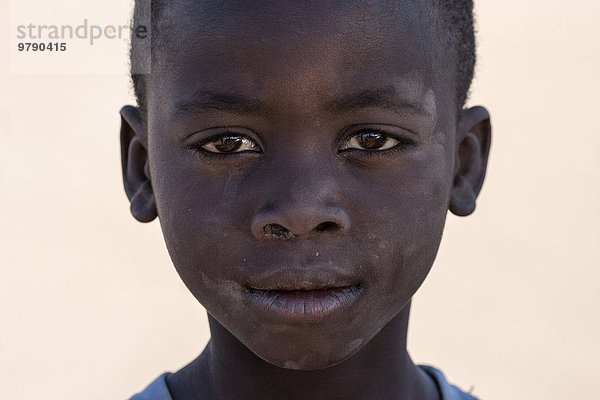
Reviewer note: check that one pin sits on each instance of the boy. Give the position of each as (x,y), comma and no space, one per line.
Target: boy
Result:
(301,157)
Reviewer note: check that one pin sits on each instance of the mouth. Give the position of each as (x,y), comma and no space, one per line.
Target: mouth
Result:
(303,297)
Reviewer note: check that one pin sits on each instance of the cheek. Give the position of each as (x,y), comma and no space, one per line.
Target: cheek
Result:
(195,212)
(404,223)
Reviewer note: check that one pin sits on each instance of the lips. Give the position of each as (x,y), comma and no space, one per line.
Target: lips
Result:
(304,295)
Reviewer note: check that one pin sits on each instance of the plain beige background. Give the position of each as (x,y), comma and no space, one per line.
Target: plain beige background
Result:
(91,308)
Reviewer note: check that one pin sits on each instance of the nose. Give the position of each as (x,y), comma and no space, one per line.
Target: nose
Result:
(289,221)
(302,196)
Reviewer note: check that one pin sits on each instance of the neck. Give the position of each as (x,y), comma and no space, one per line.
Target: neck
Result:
(382,369)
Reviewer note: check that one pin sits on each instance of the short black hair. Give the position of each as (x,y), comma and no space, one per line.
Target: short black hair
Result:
(456,17)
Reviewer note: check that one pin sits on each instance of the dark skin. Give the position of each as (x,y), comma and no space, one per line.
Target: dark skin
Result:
(302,158)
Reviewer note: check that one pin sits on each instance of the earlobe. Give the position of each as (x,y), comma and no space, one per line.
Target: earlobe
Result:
(134,162)
(473,139)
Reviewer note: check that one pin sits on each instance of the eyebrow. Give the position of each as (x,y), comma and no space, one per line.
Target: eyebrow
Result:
(386,97)
(378,98)
(205,100)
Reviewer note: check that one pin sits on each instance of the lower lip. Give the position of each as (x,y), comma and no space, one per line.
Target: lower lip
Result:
(304,305)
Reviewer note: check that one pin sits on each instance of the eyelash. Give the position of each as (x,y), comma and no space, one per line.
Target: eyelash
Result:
(403,145)
(198,147)
(401,148)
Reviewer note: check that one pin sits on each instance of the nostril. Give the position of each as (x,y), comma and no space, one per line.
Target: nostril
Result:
(277,231)
(327,226)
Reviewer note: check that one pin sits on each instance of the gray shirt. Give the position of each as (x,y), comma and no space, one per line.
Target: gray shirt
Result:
(158,389)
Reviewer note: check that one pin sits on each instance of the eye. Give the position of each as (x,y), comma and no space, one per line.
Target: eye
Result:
(370,140)
(228,144)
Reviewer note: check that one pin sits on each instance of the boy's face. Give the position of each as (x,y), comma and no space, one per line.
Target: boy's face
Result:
(301,155)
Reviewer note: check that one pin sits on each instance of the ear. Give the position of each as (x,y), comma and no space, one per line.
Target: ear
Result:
(473,139)
(134,162)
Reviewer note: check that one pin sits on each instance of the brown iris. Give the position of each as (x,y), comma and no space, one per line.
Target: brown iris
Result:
(228,144)
(371,140)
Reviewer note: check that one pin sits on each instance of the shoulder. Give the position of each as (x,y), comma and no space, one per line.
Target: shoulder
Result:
(157,390)
(447,390)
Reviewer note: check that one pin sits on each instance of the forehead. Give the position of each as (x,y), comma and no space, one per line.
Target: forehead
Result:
(303,49)
(299,19)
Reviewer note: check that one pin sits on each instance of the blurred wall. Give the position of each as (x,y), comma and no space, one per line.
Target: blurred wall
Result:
(90,306)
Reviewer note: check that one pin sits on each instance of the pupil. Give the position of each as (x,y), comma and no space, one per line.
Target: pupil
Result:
(228,144)
(372,140)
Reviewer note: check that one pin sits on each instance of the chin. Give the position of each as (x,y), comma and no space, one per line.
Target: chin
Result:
(303,359)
